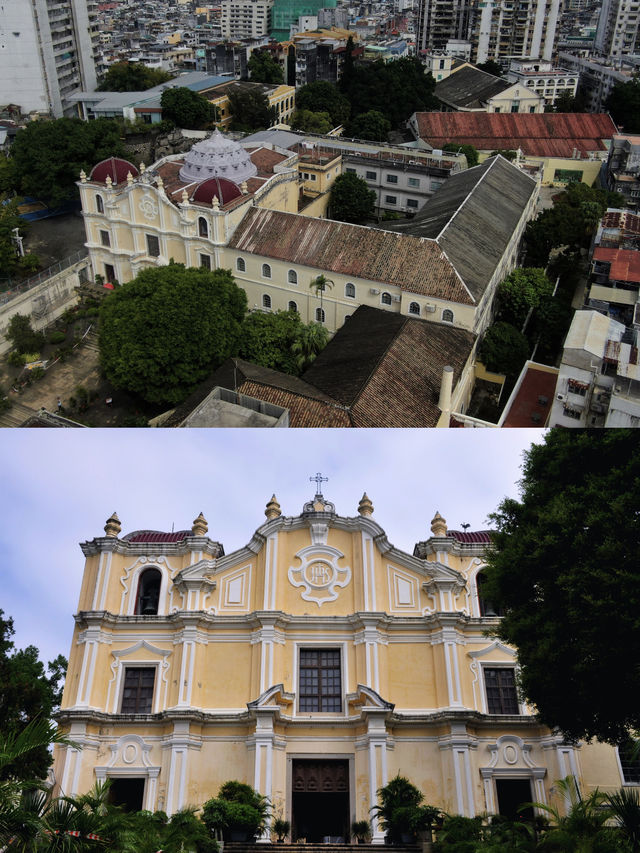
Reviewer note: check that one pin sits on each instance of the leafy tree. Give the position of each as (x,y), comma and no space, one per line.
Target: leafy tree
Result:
(250,109)
(186,108)
(311,122)
(508,153)
(372,125)
(323,96)
(584,827)
(311,341)
(521,292)
(47,156)
(163,332)
(491,67)
(263,68)
(469,152)
(348,66)
(504,349)
(28,694)
(396,89)
(268,339)
(351,199)
(564,570)
(23,337)
(237,807)
(10,219)
(132,77)
(624,105)
(567,103)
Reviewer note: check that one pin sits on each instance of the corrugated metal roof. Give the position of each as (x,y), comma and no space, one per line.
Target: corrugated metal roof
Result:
(411,263)
(537,134)
(470,88)
(625,263)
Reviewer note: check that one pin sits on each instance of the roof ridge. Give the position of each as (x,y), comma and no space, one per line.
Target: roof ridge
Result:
(382,356)
(490,161)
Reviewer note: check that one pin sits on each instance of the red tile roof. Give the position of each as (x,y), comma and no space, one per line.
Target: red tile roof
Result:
(625,263)
(414,264)
(479,537)
(537,134)
(156,536)
(624,219)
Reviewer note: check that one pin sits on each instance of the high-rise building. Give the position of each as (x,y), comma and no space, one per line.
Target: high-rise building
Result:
(618,33)
(287,12)
(245,18)
(47,53)
(495,29)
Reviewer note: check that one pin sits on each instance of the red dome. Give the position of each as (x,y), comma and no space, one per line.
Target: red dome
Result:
(114,167)
(221,187)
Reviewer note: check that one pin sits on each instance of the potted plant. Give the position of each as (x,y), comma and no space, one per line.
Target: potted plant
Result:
(281,829)
(400,812)
(361,830)
(238,813)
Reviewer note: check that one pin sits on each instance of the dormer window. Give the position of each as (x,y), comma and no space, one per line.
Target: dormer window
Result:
(148,593)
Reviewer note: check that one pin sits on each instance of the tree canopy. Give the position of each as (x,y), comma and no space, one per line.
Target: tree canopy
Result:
(311,122)
(491,67)
(186,108)
(371,125)
(47,156)
(323,96)
(524,290)
(275,340)
(396,89)
(351,199)
(10,261)
(469,152)
(564,571)
(28,694)
(132,77)
(624,105)
(504,349)
(250,109)
(263,68)
(166,330)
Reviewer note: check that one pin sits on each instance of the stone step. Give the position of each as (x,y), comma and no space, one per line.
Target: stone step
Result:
(16,415)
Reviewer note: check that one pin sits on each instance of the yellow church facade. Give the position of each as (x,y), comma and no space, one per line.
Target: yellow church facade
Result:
(315,664)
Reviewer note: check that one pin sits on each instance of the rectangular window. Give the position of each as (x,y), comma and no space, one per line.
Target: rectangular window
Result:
(629,763)
(412,202)
(371,176)
(351,171)
(105,239)
(500,685)
(137,696)
(205,262)
(392,179)
(320,680)
(414,182)
(153,246)
(390,199)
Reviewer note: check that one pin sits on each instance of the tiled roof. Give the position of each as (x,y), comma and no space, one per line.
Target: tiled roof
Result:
(156,536)
(537,134)
(470,88)
(623,219)
(265,159)
(473,217)
(625,263)
(531,404)
(479,537)
(414,264)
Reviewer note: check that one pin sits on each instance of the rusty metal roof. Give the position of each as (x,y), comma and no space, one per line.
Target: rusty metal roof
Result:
(413,264)
(536,134)
(625,263)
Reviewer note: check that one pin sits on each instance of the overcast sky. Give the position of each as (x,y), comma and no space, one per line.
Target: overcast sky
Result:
(60,486)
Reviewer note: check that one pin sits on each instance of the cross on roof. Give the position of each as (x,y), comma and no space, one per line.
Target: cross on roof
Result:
(319,479)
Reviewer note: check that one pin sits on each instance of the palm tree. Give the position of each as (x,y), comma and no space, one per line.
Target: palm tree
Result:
(624,807)
(319,284)
(311,340)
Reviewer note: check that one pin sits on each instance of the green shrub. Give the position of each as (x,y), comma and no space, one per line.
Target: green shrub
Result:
(37,373)
(56,337)
(15,359)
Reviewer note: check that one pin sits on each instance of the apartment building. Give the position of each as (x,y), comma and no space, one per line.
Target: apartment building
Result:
(241,19)
(47,52)
(617,33)
(544,79)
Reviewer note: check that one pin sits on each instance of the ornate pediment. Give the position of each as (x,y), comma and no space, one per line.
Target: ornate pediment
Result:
(197,576)
(366,699)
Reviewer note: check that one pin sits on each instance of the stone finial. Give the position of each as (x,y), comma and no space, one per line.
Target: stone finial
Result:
(244,189)
(365,507)
(215,203)
(200,526)
(185,197)
(273,508)
(142,168)
(129,178)
(438,525)
(108,182)
(113,526)
(83,176)
(160,185)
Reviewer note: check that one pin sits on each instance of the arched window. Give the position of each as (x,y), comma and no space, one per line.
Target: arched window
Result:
(266,271)
(266,300)
(293,306)
(487,608)
(203,227)
(240,265)
(319,315)
(350,290)
(386,298)
(99,204)
(148,593)
(414,308)
(292,277)
(447,316)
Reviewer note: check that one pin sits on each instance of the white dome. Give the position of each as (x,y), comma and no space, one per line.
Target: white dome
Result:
(217,157)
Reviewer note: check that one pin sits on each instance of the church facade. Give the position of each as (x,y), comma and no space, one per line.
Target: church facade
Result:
(315,663)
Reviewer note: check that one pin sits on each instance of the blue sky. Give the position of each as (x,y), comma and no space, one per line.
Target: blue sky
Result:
(60,486)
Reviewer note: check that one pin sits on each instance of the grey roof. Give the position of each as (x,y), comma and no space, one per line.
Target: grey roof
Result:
(470,88)
(473,216)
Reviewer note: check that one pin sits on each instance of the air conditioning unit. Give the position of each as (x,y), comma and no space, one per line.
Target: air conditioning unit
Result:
(430,309)
(397,298)
(373,291)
